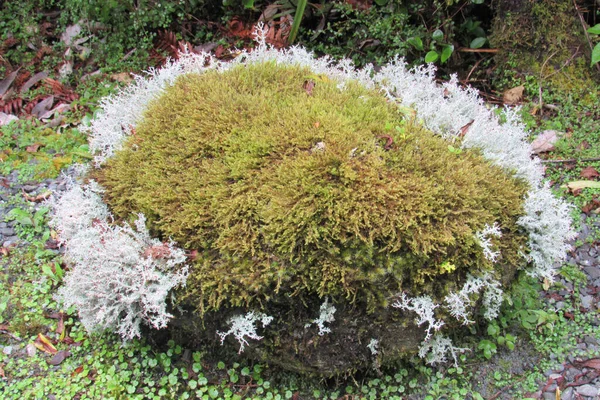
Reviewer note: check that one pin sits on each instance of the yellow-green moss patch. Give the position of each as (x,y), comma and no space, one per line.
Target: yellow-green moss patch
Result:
(286,189)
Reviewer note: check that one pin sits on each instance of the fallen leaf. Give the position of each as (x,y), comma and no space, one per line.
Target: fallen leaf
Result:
(33,80)
(2,374)
(308,86)
(463,131)
(579,185)
(6,82)
(5,119)
(4,251)
(589,173)
(38,198)
(592,206)
(592,363)
(71,32)
(123,77)
(513,96)
(78,370)
(33,148)
(59,357)
(583,145)
(317,124)
(544,142)
(42,107)
(44,344)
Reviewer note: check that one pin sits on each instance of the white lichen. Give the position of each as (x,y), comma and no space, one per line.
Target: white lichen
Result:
(326,312)
(244,326)
(120,277)
(485,241)
(460,303)
(373,346)
(424,307)
(435,350)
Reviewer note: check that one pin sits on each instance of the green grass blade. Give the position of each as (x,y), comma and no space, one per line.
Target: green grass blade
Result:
(297,20)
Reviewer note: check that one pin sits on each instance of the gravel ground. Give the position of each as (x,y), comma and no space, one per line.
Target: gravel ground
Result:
(579,377)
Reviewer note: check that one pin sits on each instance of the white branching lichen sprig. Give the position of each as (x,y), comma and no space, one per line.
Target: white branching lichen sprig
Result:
(326,312)
(373,346)
(460,303)
(424,307)
(434,351)
(120,277)
(485,240)
(244,326)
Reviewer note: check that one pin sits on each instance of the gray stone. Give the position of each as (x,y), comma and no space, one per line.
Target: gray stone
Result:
(587,301)
(593,272)
(549,395)
(7,350)
(29,188)
(560,305)
(567,394)
(7,232)
(587,390)
(590,340)
(572,373)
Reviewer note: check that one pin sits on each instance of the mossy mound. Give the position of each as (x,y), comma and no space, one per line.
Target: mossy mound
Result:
(292,188)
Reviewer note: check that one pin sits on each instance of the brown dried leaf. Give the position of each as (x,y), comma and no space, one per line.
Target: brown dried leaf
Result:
(463,131)
(592,363)
(44,344)
(59,357)
(544,142)
(123,77)
(592,206)
(33,80)
(7,82)
(513,96)
(589,173)
(308,86)
(33,148)
(42,107)
(38,198)
(78,370)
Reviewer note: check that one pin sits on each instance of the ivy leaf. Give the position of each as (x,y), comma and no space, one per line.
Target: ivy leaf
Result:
(595,29)
(438,35)
(596,54)
(432,56)
(478,42)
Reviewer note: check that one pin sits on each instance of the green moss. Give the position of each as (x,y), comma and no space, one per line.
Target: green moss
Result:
(228,164)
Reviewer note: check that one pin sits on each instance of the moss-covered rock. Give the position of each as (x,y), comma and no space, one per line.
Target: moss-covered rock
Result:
(291,189)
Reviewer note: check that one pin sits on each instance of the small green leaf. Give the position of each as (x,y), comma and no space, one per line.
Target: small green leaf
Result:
(248,3)
(478,42)
(432,56)
(416,42)
(446,53)
(381,2)
(596,54)
(595,29)
(438,35)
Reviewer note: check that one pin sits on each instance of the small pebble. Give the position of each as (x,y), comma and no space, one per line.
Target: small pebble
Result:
(7,350)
